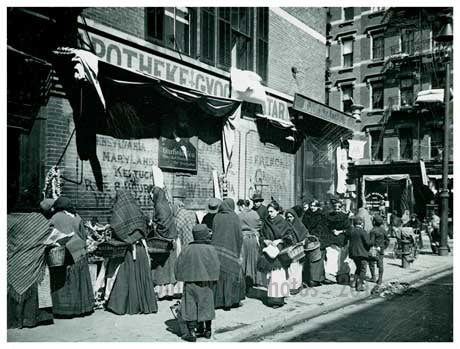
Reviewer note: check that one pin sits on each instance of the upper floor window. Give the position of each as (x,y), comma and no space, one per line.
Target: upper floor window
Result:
(378,45)
(348,13)
(235,37)
(347,53)
(405,143)
(407,91)
(262,43)
(407,41)
(377,94)
(207,25)
(347,98)
(172,28)
(376,146)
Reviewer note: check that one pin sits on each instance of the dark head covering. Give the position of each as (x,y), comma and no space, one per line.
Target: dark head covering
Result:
(300,231)
(128,221)
(201,233)
(63,204)
(257,197)
(298,210)
(227,237)
(378,220)
(163,215)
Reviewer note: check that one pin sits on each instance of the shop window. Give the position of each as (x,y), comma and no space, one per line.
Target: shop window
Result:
(377,95)
(376,146)
(235,38)
(262,42)
(407,41)
(405,143)
(407,91)
(172,27)
(347,98)
(347,53)
(207,24)
(378,46)
(348,13)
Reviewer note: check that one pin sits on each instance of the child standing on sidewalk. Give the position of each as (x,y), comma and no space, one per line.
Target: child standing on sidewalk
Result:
(380,240)
(358,250)
(198,267)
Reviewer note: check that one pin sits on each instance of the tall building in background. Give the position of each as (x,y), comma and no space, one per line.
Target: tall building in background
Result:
(387,61)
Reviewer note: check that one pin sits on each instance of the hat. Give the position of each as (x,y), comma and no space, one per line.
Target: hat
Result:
(335,202)
(257,197)
(378,219)
(46,205)
(358,220)
(201,232)
(213,205)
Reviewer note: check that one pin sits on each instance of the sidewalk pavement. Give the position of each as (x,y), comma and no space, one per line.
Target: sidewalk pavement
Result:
(247,322)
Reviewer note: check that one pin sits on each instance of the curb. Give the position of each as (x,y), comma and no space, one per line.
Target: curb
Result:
(254,331)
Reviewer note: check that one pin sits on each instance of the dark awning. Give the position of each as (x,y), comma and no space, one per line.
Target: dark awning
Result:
(125,104)
(307,112)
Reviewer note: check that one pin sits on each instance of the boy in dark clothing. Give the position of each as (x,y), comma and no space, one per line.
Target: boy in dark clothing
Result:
(358,250)
(198,267)
(379,239)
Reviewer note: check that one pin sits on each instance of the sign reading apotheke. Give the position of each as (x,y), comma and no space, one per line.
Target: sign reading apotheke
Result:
(130,57)
(178,154)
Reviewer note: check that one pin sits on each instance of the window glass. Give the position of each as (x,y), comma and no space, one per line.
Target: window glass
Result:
(154,27)
(347,98)
(262,42)
(407,91)
(376,146)
(377,95)
(348,13)
(207,35)
(405,143)
(378,46)
(407,41)
(347,53)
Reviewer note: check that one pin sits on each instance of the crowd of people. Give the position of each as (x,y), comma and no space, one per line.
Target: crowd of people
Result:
(216,259)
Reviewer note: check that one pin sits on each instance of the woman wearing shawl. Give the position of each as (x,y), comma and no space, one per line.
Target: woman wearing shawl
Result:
(71,287)
(132,292)
(26,265)
(296,267)
(227,238)
(276,233)
(163,264)
(316,223)
(185,221)
(250,226)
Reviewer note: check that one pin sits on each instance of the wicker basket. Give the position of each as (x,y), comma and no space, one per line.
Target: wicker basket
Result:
(312,248)
(292,253)
(111,249)
(55,256)
(159,245)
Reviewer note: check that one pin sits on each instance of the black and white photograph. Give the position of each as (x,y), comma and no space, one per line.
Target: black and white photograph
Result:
(275,173)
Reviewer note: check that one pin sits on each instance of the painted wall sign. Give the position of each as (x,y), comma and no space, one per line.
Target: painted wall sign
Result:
(179,155)
(130,57)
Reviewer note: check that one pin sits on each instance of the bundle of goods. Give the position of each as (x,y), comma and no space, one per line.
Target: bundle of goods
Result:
(100,243)
(55,256)
(312,248)
(112,249)
(159,245)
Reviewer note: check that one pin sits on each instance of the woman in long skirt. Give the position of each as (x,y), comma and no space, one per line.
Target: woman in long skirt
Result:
(276,233)
(132,292)
(227,238)
(296,268)
(71,287)
(250,225)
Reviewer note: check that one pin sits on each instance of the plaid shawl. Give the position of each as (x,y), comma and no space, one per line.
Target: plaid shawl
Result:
(185,221)
(128,221)
(26,252)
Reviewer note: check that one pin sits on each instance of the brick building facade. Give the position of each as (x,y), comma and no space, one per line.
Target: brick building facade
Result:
(286,46)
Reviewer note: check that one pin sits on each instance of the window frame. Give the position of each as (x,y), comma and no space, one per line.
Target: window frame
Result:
(208,57)
(343,41)
(411,141)
(411,46)
(403,89)
(261,37)
(372,92)
(377,35)
(380,153)
(342,87)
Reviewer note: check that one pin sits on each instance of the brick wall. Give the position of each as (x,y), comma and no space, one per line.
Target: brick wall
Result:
(292,47)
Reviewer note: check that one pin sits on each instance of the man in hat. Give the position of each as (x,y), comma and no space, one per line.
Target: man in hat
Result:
(380,240)
(213,207)
(198,267)
(358,250)
(261,210)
